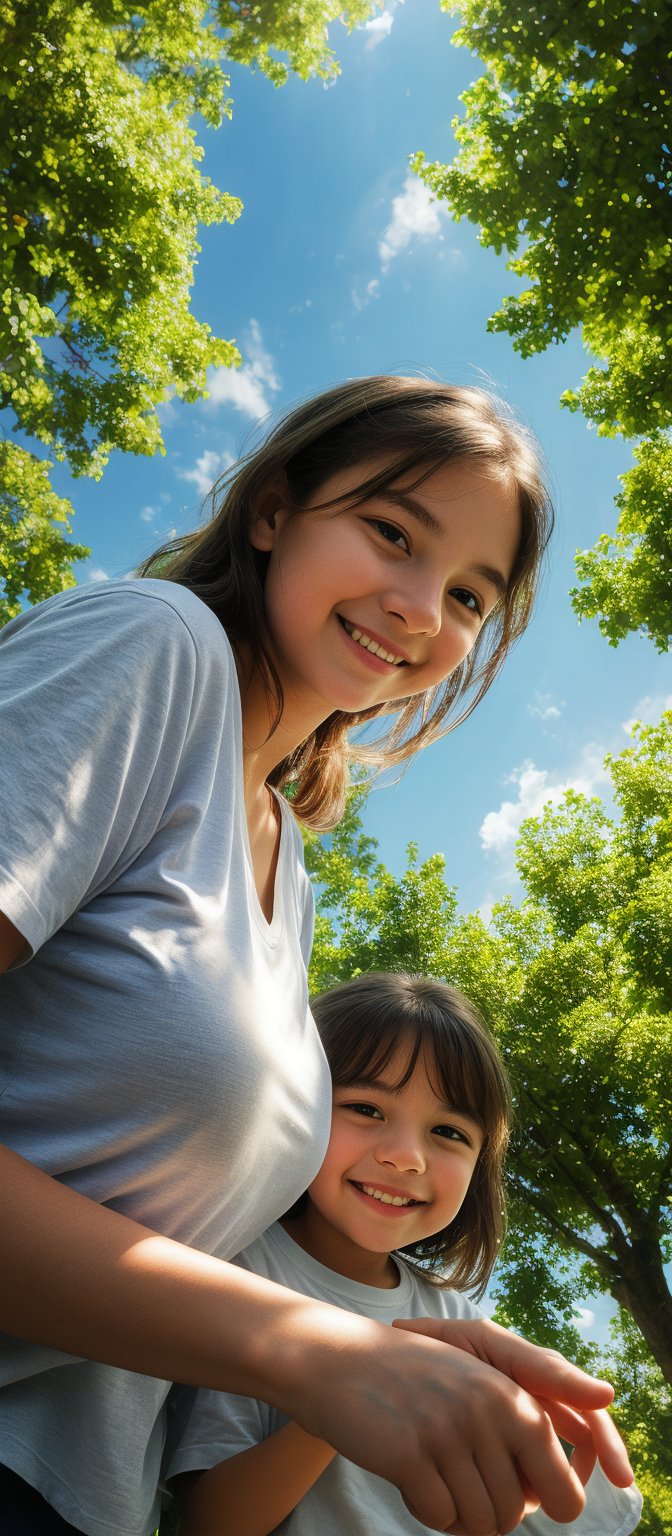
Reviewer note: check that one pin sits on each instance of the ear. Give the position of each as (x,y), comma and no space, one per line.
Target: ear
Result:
(268,517)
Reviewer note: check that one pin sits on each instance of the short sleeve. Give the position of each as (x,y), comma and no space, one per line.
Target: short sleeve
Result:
(97,694)
(206,1427)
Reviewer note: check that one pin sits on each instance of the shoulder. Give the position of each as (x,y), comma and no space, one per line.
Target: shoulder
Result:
(147,616)
(435,1300)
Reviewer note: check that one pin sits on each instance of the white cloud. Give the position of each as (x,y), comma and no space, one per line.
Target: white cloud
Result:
(416,215)
(545,708)
(372,291)
(246,388)
(584,1317)
(536,787)
(648,710)
(206,470)
(148,514)
(97,574)
(377,29)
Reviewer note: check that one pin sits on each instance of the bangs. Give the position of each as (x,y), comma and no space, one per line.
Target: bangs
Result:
(462,1064)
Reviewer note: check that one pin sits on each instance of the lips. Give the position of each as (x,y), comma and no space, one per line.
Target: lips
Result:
(389,1199)
(373,646)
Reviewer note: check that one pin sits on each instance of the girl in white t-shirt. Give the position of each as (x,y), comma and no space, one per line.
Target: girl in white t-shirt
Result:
(405,1216)
(163,1094)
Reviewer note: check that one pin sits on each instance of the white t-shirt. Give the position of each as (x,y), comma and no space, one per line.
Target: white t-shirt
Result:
(157,1052)
(206,1427)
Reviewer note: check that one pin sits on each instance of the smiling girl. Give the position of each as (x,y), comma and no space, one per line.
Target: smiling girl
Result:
(163,1092)
(405,1215)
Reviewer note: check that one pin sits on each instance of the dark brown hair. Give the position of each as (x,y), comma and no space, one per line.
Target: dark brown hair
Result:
(392,427)
(362,1023)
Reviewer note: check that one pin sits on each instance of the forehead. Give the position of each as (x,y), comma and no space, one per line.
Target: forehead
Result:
(462,500)
(411,1069)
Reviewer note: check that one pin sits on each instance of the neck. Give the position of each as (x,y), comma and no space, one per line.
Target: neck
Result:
(266,740)
(338,1253)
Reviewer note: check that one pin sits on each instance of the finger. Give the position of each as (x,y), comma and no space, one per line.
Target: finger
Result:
(593,1432)
(431,1504)
(545,1373)
(541,1372)
(582,1461)
(476,1511)
(546,1468)
(504,1483)
(611,1452)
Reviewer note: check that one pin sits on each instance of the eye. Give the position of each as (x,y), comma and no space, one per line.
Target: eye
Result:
(368,1110)
(452,1133)
(468,600)
(390,533)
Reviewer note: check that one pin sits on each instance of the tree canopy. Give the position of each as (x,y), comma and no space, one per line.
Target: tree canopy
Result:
(101,197)
(565,162)
(576,984)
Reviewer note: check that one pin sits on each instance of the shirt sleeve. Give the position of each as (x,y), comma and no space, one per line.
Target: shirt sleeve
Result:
(206,1427)
(98,690)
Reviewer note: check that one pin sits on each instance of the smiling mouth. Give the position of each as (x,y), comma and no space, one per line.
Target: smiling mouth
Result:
(405,1201)
(369,644)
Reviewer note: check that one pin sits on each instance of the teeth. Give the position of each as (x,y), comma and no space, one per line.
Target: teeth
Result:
(370,645)
(386,1199)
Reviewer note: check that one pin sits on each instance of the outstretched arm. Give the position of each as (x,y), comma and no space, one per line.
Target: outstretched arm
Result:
(453,1434)
(457,1437)
(249,1494)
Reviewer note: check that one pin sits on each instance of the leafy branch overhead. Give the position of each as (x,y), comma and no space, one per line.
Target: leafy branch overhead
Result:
(101,196)
(565,162)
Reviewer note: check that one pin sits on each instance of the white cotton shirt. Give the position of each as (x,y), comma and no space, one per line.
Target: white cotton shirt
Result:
(157,1052)
(207,1427)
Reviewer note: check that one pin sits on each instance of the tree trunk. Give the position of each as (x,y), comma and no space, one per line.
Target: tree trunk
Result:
(643,1289)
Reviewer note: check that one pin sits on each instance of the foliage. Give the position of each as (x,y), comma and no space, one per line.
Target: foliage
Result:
(101,196)
(256,33)
(35,555)
(565,162)
(575,983)
(643,1413)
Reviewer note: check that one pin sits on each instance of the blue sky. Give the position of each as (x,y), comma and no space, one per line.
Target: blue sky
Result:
(340,265)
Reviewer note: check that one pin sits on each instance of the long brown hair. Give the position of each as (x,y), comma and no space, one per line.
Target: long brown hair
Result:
(393,427)
(362,1023)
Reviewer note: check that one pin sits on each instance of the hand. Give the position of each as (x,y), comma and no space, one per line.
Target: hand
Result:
(574,1402)
(469,1448)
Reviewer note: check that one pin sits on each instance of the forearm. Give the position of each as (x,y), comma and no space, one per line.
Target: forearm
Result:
(249,1494)
(82,1278)
(413,1409)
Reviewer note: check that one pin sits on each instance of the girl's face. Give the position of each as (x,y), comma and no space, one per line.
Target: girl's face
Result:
(397,1169)
(369,604)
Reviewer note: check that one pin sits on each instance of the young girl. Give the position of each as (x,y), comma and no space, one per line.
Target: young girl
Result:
(163,1094)
(409,1200)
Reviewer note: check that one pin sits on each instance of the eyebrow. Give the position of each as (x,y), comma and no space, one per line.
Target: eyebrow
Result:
(379,1085)
(427,520)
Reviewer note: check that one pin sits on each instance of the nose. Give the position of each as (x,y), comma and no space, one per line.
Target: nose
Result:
(418,602)
(402,1150)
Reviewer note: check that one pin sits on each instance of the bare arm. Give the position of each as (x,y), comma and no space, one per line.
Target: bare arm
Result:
(412,1409)
(249,1494)
(11,943)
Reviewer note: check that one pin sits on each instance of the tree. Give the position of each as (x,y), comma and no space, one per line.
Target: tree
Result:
(101,197)
(576,985)
(565,162)
(643,1412)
